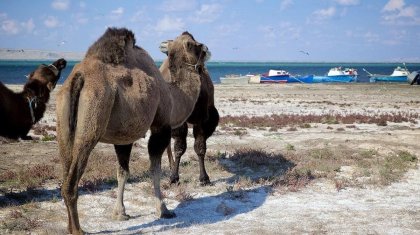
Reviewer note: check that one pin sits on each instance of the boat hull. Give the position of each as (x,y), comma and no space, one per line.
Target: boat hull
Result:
(341,78)
(286,79)
(386,78)
(234,80)
(274,79)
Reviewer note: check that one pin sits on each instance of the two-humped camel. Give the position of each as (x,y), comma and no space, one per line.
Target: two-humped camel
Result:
(204,117)
(115,95)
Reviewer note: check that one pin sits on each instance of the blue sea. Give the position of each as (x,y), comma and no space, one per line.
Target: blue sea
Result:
(13,71)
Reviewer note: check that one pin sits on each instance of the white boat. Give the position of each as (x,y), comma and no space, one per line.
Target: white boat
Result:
(338,74)
(235,79)
(398,75)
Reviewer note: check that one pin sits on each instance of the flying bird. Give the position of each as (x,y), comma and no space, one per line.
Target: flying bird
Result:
(61,43)
(304,52)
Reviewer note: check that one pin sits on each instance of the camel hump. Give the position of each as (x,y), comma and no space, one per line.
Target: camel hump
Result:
(112,46)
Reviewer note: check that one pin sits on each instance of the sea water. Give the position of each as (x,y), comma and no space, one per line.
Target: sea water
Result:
(15,71)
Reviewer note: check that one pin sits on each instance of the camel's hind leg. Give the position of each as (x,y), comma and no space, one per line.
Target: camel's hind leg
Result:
(77,141)
(69,189)
(158,141)
(123,155)
(201,133)
(180,145)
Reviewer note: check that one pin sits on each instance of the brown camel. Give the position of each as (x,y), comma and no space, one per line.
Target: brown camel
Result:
(20,111)
(115,95)
(204,119)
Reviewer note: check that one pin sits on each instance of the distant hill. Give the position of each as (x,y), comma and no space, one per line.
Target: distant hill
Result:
(24,54)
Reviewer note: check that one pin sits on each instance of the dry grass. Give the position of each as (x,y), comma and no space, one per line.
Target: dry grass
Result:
(20,219)
(280,121)
(27,178)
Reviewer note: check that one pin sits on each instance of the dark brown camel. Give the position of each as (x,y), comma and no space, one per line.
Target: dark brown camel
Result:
(204,118)
(20,111)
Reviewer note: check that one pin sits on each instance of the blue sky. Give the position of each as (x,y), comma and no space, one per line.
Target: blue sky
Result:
(247,30)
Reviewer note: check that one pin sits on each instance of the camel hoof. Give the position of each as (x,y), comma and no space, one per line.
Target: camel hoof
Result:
(205,182)
(120,217)
(26,137)
(168,215)
(174,180)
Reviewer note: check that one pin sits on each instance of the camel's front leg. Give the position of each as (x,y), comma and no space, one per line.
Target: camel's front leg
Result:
(123,172)
(200,148)
(158,141)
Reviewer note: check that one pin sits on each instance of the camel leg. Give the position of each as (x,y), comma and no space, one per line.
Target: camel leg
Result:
(69,189)
(201,133)
(158,141)
(180,145)
(123,155)
(170,156)
(200,148)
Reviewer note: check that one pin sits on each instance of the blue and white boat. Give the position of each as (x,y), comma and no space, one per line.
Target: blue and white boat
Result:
(282,76)
(398,75)
(338,74)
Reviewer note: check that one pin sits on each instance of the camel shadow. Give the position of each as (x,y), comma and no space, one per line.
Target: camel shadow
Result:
(211,209)
(226,205)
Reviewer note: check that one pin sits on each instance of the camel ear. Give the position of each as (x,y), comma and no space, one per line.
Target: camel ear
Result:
(51,86)
(164,46)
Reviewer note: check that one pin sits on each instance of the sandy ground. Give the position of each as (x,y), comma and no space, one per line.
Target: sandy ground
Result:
(318,208)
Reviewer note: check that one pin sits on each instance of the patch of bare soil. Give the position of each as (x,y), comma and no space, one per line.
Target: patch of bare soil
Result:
(322,176)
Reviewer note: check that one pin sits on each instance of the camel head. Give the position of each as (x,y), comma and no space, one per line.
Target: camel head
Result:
(185,51)
(49,74)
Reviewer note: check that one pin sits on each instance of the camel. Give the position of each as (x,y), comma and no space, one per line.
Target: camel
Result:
(20,111)
(115,95)
(204,120)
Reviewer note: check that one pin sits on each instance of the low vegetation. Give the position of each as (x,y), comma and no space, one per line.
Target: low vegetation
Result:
(281,121)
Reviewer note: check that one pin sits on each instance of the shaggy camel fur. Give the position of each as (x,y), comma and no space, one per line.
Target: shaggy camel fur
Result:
(115,95)
(20,111)
(204,119)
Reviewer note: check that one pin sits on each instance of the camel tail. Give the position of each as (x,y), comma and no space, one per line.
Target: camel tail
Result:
(76,88)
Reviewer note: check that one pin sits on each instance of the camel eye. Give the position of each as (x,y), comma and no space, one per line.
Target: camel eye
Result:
(190,45)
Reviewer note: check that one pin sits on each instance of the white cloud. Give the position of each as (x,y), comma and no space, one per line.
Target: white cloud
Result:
(51,22)
(207,13)
(117,13)
(168,24)
(178,5)
(3,16)
(228,29)
(371,37)
(348,2)
(396,12)
(322,15)
(29,25)
(393,5)
(10,27)
(60,4)
(284,4)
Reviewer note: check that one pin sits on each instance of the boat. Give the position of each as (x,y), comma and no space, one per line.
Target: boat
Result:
(274,76)
(399,74)
(235,79)
(338,74)
(414,78)
(282,76)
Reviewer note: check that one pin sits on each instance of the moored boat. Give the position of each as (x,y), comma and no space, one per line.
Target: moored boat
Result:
(235,79)
(398,75)
(414,78)
(282,76)
(275,76)
(338,74)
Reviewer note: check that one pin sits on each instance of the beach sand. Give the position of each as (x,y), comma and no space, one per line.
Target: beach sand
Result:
(317,208)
